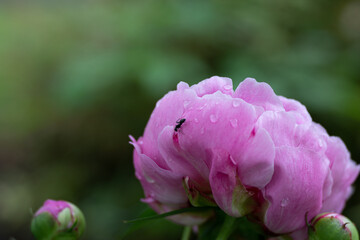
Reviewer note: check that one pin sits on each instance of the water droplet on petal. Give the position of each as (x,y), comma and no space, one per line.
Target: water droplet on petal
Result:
(234,123)
(213,118)
(284,202)
(321,143)
(141,142)
(236,103)
(149,180)
(228,87)
(232,160)
(196,120)
(201,107)
(186,103)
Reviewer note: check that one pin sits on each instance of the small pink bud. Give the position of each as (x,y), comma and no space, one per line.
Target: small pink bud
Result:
(58,220)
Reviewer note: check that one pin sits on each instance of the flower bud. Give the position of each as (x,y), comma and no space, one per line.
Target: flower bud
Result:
(58,220)
(328,226)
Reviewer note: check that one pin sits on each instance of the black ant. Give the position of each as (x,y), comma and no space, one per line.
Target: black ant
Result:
(179,123)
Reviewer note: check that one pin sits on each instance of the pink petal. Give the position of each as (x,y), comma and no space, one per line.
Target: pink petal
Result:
(256,162)
(159,184)
(54,207)
(216,121)
(295,189)
(180,161)
(167,111)
(310,136)
(343,171)
(230,195)
(293,106)
(260,94)
(280,126)
(214,84)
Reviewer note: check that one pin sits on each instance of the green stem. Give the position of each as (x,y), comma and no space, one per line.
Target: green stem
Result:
(186,233)
(226,228)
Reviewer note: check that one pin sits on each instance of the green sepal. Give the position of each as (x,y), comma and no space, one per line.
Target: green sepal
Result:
(196,197)
(43,226)
(79,223)
(243,201)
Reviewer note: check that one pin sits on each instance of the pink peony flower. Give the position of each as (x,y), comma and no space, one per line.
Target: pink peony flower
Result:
(247,151)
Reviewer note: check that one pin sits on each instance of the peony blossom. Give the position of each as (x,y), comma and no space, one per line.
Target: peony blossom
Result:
(246,151)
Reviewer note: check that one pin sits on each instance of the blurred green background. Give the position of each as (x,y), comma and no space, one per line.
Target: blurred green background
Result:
(77,77)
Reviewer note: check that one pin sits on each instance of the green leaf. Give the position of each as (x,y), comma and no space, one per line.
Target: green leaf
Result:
(171,213)
(136,225)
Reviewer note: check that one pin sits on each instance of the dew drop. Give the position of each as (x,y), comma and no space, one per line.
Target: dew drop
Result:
(232,160)
(234,123)
(213,118)
(141,142)
(201,107)
(321,143)
(149,179)
(236,103)
(228,87)
(186,103)
(284,202)
(196,120)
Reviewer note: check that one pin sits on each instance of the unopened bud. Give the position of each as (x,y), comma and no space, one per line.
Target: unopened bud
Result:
(332,226)
(58,220)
